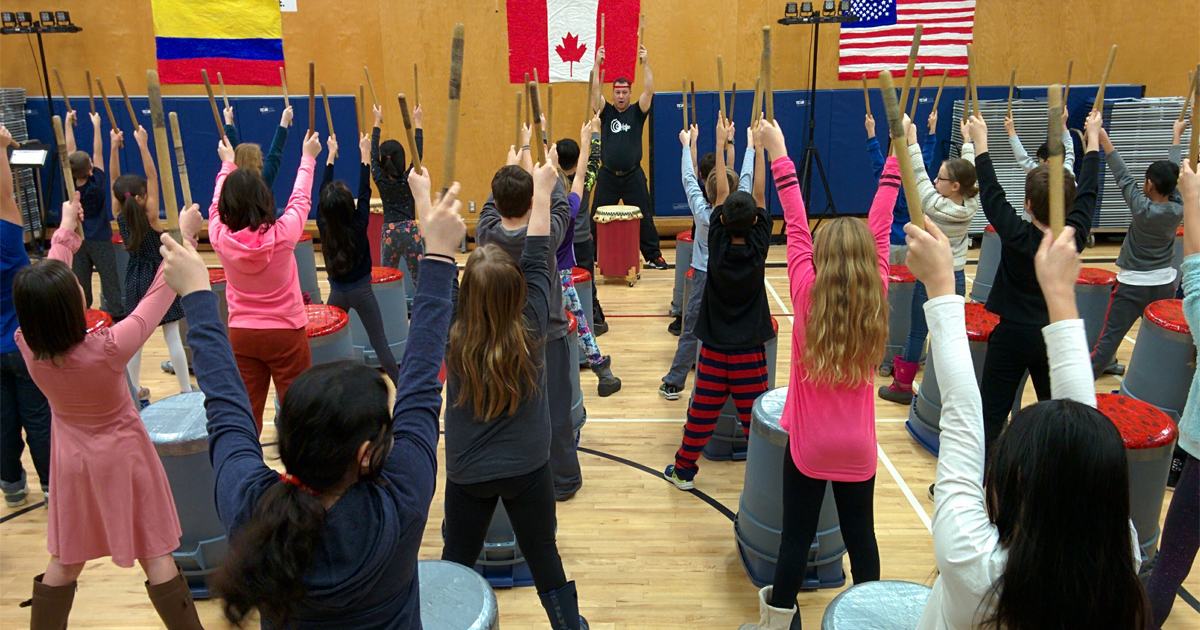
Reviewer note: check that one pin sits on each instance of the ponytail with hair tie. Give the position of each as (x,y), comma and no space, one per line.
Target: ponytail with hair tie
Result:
(295,481)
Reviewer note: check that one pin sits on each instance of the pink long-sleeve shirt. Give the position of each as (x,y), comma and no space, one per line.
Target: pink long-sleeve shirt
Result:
(263,287)
(831,429)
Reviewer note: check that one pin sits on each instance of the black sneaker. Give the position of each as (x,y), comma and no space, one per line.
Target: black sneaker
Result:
(668,391)
(931,490)
(1176,471)
(657,263)
(599,327)
(676,327)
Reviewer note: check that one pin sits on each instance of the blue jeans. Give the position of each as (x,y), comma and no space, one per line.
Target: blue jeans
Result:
(22,406)
(918,329)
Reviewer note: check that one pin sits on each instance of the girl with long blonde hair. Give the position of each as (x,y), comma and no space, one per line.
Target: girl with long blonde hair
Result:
(839,291)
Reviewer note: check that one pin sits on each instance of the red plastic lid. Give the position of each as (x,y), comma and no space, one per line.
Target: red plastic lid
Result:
(1091,276)
(216,276)
(685,236)
(775,325)
(120,241)
(689,274)
(383,275)
(980,322)
(1141,424)
(989,228)
(97,320)
(1179,232)
(900,274)
(305,237)
(1168,314)
(580,275)
(324,319)
(572,323)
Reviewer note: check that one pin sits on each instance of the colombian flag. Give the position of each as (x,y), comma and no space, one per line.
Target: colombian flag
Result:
(241,39)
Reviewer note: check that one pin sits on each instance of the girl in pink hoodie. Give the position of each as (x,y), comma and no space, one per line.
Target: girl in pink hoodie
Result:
(266,311)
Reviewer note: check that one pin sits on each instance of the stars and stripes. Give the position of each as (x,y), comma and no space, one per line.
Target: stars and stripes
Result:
(881,39)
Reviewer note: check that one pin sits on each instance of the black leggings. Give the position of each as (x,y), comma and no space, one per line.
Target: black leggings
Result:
(802,498)
(362,300)
(529,501)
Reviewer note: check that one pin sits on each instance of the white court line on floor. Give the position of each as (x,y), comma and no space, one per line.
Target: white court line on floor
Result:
(912,500)
(779,301)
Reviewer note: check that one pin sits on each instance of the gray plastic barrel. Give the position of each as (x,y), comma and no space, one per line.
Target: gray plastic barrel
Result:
(454,597)
(1093,290)
(989,262)
(390,292)
(122,258)
(328,334)
(683,262)
(728,439)
(177,427)
(901,284)
(759,523)
(578,413)
(886,605)
(1149,436)
(1163,361)
(924,416)
(306,267)
(1177,260)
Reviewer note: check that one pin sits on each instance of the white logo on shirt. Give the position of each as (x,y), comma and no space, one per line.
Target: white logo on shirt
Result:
(618,127)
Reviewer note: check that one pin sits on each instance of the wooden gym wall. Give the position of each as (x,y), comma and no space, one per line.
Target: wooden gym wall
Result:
(1158,43)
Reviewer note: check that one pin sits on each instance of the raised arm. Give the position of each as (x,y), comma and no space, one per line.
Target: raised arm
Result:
(1023,160)
(143,141)
(1008,223)
(691,186)
(799,239)
(97,142)
(327,174)
(295,215)
(230,129)
(746,178)
(596,90)
(730,148)
(882,209)
(1189,189)
(376,170)
(647,97)
(760,168)
(593,165)
(1088,185)
(9,211)
(69,130)
(274,156)
(215,225)
(525,152)
(723,127)
(418,132)
(1057,264)
(116,141)
(363,210)
(874,149)
(131,333)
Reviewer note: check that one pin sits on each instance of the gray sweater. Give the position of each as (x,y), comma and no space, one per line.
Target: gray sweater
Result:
(489,229)
(1150,243)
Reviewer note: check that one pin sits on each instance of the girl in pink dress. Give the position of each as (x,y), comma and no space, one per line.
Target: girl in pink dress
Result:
(111,496)
(839,292)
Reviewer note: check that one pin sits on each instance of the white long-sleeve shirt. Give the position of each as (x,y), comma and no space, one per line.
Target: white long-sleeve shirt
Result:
(953,219)
(965,541)
(1029,163)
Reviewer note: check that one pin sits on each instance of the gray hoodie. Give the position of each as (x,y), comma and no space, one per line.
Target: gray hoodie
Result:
(1150,243)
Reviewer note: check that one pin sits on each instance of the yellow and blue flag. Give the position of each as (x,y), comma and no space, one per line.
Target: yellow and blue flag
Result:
(241,39)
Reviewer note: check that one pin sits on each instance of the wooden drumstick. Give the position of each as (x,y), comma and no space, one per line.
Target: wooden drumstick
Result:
(916,97)
(224,94)
(312,96)
(91,98)
(213,102)
(693,90)
(1099,104)
(1054,160)
(896,127)
(1187,96)
(912,62)
(328,115)
(1012,83)
(683,97)
(163,150)
(536,105)
(768,84)
(517,143)
(181,161)
(866,94)
(1067,86)
(287,102)
(721,85)
(409,133)
(112,120)
(63,90)
(456,69)
(371,84)
(973,80)
(64,164)
(128,104)
(641,37)
(550,113)
(756,113)
(937,99)
(1194,146)
(602,40)
(362,101)
(416,87)
(732,98)
(528,118)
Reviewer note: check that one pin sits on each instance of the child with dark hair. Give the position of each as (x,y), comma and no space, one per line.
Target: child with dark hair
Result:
(401,239)
(136,201)
(347,250)
(1027,163)
(1145,273)
(585,241)
(249,155)
(1016,344)
(685,350)
(96,252)
(900,218)
(333,541)
(733,322)
(568,153)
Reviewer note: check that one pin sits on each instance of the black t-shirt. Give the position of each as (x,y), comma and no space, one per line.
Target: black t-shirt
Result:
(734,312)
(621,137)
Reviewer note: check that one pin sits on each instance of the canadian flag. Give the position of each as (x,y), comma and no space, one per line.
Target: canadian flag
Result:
(559,38)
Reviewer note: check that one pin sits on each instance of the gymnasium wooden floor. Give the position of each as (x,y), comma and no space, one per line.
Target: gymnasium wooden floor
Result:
(644,554)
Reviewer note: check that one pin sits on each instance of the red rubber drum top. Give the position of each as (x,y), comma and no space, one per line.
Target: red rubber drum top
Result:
(216,276)
(324,319)
(1141,424)
(980,323)
(580,275)
(685,236)
(1090,276)
(97,320)
(572,323)
(305,237)
(1168,314)
(383,275)
(899,274)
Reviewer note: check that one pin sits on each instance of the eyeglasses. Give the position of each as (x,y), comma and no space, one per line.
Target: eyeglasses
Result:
(944,179)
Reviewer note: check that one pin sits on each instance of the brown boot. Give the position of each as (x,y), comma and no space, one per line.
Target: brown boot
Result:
(173,601)
(51,605)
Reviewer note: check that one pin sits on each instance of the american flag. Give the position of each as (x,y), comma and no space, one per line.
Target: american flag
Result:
(881,38)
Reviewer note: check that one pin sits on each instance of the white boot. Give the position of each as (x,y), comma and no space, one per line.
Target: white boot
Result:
(770,618)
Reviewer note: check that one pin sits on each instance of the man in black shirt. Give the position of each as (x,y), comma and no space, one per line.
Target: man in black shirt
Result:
(621,176)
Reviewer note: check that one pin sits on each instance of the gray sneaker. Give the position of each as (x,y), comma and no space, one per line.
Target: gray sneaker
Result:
(15,492)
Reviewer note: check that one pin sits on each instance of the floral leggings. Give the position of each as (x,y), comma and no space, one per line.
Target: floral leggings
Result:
(587,341)
(402,239)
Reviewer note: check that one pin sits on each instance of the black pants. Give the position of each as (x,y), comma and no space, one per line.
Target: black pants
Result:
(802,498)
(362,300)
(585,258)
(22,406)
(99,255)
(529,501)
(564,460)
(1012,349)
(632,189)
(1125,305)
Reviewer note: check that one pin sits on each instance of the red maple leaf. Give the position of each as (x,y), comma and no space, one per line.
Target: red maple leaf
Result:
(570,51)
